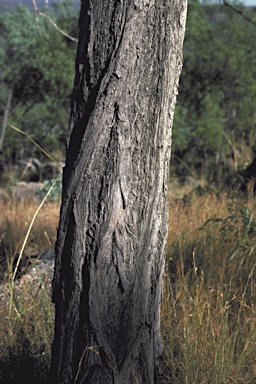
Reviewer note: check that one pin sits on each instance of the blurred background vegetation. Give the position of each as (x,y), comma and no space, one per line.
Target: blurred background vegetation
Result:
(215,119)
(37,65)
(214,132)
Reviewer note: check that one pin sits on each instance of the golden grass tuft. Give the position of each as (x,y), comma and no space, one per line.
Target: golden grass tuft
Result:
(15,219)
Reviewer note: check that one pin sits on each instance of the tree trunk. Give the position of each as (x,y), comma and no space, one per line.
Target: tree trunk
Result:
(5,118)
(111,242)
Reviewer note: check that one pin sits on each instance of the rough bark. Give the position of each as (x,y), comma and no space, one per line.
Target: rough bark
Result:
(112,233)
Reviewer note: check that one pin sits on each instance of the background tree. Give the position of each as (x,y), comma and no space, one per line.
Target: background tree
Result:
(17,40)
(32,59)
(214,126)
(112,233)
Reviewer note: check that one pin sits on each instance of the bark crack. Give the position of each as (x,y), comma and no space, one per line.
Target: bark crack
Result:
(119,262)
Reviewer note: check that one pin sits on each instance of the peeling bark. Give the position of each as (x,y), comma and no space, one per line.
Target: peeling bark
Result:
(112,233)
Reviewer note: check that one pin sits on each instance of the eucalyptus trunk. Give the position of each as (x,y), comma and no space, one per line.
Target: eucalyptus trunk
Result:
(110,249)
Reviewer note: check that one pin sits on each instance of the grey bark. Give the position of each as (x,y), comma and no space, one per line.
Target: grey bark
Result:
(112,232)
(5,118)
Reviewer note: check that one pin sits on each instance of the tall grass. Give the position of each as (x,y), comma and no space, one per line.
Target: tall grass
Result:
(208,310)
(26,312)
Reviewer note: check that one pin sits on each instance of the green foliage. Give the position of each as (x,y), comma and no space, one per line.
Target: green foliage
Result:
(217,88)
(18,40)
(214,129)
(55,194)
(37,62)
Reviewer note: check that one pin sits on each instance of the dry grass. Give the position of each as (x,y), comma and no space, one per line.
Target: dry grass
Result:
(208,312)
(26,312)
(15,219)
